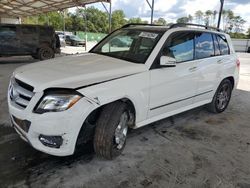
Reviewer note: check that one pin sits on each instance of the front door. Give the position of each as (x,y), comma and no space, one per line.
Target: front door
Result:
(174,88)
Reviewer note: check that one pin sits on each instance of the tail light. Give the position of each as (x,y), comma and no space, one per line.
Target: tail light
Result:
(238,63)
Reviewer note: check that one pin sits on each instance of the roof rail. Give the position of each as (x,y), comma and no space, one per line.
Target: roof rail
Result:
(197,25)
(139,24)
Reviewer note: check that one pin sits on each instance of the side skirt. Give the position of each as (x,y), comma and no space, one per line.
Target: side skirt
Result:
(168,114)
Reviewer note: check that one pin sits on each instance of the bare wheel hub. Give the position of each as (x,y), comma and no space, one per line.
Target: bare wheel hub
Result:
(223,97)
(121,131)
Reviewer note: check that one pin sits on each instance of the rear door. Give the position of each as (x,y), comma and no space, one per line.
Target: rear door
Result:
(207,65)
(174,88)
(29,39)
(9,40)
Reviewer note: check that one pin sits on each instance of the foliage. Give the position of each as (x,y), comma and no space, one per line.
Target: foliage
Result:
(238,35)
(51,18)
(118,19)
(160,21)
(97,21)
(248,33)
(183,20)
(136,20)
(231,23)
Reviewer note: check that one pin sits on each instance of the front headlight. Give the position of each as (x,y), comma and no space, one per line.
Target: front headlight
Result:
(57,102)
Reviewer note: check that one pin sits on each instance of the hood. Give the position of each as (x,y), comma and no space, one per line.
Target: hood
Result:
(75,71)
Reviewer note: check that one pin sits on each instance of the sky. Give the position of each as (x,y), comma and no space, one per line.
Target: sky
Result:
(170,10)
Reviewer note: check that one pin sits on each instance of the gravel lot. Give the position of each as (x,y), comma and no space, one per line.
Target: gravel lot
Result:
(192,149)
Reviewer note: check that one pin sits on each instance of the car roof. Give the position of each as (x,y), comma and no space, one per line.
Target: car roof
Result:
(161,28)
(150,28)
(27,25)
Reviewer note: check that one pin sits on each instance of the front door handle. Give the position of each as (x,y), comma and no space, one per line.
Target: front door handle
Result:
(192,69)
(220,61)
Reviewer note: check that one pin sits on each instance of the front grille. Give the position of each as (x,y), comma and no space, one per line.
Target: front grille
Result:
(20,93)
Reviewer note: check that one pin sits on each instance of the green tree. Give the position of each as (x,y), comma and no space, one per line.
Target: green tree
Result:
(248,33)
(183,20)
(227,16)
(118,19)
(160,21)
(190,18)
(199,16)
(208,17)
(238,22)
(97,21)
(136,20)
(54,19)
(214,17)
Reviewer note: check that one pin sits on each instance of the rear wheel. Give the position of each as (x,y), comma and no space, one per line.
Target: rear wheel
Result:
(46,53)
(221,98)
(111,130)
(73,43)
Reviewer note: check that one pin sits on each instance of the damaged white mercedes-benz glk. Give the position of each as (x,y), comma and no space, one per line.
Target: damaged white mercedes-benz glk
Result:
(135,76)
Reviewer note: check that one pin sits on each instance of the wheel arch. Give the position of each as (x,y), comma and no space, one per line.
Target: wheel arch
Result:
(86,129)
(131,106)
(231,79)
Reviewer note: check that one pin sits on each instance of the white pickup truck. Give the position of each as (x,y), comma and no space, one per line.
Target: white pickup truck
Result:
(135,76)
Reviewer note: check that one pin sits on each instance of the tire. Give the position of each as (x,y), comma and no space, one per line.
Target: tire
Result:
(73,43)
(45,53)
(221,98)
(111,130)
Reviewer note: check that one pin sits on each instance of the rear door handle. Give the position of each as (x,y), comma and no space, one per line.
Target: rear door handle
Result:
(192,69)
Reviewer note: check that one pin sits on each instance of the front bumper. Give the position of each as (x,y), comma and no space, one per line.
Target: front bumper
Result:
(66,124)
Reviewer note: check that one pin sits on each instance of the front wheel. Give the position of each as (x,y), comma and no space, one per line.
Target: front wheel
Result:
(111,130)
(221,98)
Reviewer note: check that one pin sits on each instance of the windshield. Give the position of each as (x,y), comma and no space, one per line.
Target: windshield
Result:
(74,37)
(129,44)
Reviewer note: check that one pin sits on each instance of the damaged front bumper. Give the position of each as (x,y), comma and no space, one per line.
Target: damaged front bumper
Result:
(54,133)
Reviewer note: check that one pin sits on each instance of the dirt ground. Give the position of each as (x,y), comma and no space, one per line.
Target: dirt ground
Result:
(192,149)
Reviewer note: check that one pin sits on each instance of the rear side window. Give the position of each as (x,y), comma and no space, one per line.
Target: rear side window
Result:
(7,32)
(216,46)
(224,48)
(180,46)
(26,30)
(204,46)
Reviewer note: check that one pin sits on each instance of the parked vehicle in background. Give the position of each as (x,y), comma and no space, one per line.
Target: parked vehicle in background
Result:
(74,40)
(119,43)
(98,96)
(241,45)
(38,41)
(62,40)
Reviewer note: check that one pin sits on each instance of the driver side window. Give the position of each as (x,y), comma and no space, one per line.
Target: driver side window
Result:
(180,46)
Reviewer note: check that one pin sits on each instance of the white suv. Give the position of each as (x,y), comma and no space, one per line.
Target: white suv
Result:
(135,76)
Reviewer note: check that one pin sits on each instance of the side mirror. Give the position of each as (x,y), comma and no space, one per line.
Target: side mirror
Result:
(166,61)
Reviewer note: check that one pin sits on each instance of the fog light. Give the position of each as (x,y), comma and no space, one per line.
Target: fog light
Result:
(51,141)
